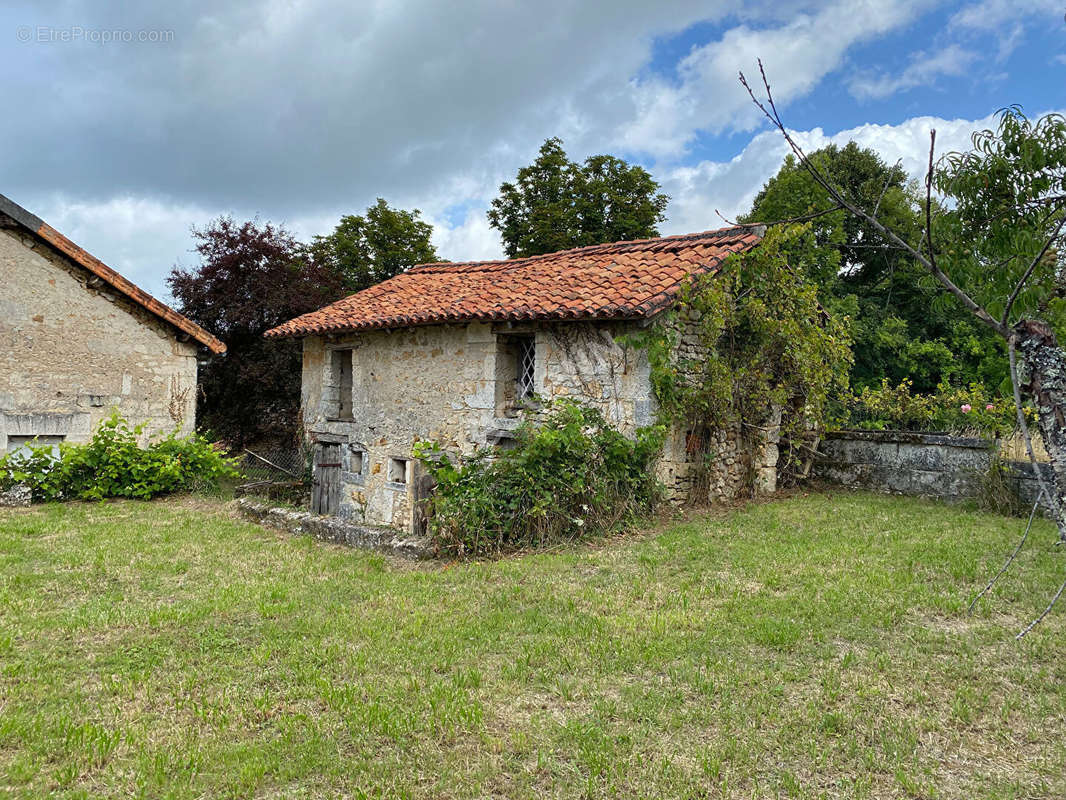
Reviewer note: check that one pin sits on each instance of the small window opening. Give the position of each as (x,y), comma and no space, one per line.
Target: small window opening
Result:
(356,460)
(525,366)
(342,377)
(516,360)
(397,470)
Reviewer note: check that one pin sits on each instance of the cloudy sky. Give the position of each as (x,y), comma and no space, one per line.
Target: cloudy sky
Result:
(128,123)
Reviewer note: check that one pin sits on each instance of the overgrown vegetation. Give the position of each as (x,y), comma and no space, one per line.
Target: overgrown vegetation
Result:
(251,277)
(971,410)
(569,476)
(899,325)
(748,342)
(997,488)
(112,464)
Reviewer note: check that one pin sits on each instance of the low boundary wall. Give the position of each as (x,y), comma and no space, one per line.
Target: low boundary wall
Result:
(918,464)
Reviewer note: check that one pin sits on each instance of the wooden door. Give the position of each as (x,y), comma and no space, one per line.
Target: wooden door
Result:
(326,486)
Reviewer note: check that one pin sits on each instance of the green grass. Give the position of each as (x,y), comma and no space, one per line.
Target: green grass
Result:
(814,646)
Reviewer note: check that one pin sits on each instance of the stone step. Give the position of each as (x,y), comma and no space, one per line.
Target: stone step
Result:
(335,529)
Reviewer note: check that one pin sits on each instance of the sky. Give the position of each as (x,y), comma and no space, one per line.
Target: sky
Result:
(128,124)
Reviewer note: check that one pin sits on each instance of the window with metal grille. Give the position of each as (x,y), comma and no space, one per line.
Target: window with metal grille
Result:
(525,368)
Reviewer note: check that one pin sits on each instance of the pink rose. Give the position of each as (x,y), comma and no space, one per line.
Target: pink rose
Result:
(989,407)
(966,408)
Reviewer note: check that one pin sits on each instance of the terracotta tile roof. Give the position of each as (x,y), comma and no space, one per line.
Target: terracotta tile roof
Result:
(37,226)
(607,281)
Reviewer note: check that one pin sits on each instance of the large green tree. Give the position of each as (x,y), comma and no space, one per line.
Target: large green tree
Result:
(555,203)
(369,248)
(899,329)
(995,245)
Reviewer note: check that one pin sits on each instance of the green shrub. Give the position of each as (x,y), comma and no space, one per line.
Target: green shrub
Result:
(112,464)
(569,476)
(968,410)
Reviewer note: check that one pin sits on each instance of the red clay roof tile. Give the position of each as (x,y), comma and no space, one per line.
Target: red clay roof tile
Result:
(607,281)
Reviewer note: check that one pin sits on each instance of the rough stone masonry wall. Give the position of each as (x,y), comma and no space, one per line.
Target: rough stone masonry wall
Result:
(701,465)
(443,383)
(439,383)
(70,353)
(919,464)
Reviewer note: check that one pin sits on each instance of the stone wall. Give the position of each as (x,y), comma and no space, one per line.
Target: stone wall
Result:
(333,529)
(71,352)
(451,384)
(702,465)
(445,383)
(920,464)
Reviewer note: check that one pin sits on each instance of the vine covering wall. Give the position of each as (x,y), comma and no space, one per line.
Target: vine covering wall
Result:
(748,360)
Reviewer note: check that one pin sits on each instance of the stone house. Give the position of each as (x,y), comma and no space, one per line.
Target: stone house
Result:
(78,340)
(449,352)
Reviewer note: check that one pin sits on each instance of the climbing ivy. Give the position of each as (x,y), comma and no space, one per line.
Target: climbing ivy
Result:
(747,340)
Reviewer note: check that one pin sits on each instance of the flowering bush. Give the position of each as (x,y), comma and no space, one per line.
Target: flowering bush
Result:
(963,410)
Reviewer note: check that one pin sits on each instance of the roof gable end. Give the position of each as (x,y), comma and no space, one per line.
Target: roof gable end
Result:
(38,227)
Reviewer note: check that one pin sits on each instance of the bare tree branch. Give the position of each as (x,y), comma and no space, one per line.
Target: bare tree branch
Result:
(1043,614)
(929,200)
(884,190)
(775,118)
(1029,271)
(1011,557)
(788,221)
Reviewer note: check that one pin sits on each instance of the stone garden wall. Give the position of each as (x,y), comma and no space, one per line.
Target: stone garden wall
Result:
(918,464)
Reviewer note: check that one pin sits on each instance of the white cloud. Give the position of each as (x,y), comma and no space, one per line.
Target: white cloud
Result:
(472,240)
(140,237)
(797,55)
(993,15)
(923,69)
(311,105)
(730,187)
(299,112)
(130,233)
(1006,20)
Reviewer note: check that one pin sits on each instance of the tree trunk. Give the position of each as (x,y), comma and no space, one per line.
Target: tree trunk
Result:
(1045,366)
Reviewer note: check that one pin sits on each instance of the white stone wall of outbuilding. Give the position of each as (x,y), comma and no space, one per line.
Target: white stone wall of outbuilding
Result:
(71,352)
(443,383)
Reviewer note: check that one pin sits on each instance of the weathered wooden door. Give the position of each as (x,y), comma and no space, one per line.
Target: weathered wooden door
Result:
(326,486)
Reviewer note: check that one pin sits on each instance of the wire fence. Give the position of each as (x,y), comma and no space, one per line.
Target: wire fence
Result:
(279,473)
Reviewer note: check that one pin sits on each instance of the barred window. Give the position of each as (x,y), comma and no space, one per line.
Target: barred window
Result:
(525,368)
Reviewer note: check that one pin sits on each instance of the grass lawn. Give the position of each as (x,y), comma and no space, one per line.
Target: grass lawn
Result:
(812,646)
